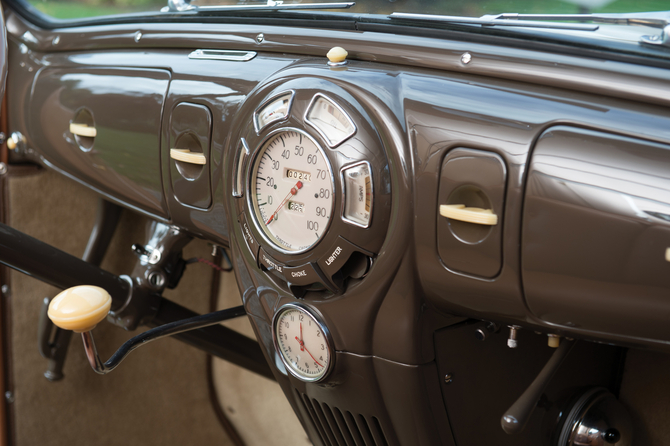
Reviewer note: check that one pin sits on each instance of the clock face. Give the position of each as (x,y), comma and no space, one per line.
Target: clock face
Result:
(302,342)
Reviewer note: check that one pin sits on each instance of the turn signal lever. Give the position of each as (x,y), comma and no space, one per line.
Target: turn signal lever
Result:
(81,308)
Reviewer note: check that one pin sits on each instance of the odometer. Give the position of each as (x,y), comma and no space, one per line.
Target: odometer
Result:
(291,192)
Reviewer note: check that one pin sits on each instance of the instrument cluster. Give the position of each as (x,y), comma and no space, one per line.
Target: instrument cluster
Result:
(311,187)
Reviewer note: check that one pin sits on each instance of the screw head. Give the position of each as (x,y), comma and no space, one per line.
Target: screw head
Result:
(260,38)
(448,378)
(612,436)
(55,41)
(138,36)
(466,58)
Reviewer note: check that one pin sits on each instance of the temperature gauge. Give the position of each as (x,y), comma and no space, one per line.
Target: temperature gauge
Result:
(275,109)
(358,194)
(330,120)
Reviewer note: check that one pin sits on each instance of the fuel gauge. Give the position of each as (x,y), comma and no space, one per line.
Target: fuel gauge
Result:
(274,109)
(358,194)
(329,120)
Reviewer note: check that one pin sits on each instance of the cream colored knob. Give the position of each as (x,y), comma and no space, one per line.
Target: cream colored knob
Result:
(80,308)
(11,144)
(471,215)
(337,54)
(554,341)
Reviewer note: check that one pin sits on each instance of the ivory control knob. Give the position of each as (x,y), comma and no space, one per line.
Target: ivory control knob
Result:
(80,308)
(337,55)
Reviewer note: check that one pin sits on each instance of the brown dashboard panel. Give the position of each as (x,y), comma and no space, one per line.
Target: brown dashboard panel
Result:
(124,107)
(596,230)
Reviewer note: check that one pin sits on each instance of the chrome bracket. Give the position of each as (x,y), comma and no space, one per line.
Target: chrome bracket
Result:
(662,39)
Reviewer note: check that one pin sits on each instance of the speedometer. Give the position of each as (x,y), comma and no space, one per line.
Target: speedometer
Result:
(291,191)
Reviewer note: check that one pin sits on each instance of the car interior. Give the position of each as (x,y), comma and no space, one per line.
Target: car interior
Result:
(359,224)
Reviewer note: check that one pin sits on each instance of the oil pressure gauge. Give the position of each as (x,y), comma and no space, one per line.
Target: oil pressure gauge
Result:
(303,343)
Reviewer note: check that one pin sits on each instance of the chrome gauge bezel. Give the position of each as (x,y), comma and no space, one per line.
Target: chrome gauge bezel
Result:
(251,166)
(268,101)
(309,312)
(344,196)
(319,131)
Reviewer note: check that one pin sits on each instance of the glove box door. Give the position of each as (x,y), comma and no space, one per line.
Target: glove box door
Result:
(596,234)
(102,126)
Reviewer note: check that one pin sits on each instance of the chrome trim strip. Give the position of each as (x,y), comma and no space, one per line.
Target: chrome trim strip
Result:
(228,55)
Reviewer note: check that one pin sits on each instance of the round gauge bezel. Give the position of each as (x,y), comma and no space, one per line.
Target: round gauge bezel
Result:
(324,329)
(251,167)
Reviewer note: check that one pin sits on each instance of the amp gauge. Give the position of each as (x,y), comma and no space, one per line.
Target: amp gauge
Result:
(358,194)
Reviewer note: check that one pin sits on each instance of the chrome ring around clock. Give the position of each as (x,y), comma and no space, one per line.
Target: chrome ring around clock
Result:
(306,208)
(310,339)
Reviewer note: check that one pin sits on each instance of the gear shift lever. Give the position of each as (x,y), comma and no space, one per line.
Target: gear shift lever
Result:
(81,308)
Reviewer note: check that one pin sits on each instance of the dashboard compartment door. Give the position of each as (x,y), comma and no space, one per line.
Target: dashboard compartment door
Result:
(596,230)
(102,126)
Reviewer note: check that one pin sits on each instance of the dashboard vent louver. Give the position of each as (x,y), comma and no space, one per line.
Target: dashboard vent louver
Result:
(337,428)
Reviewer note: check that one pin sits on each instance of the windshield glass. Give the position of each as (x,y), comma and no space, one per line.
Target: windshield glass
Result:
(73,9)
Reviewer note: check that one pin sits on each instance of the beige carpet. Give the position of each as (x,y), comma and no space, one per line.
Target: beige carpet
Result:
(157,396)
(255,405)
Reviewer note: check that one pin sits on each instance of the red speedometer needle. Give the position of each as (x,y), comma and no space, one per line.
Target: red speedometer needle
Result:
(294,190)
(303,348)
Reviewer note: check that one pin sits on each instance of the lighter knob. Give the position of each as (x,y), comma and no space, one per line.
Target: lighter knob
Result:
(80,308)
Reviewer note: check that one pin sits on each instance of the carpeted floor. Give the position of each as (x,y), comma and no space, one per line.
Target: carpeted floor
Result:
(157,396)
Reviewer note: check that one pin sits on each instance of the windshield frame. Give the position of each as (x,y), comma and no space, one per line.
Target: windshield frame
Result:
(587,44)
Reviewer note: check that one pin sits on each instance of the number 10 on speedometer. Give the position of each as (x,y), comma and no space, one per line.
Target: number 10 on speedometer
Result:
(291,191)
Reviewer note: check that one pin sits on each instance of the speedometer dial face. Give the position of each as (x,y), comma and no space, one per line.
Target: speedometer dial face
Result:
(303,343)
(292,191)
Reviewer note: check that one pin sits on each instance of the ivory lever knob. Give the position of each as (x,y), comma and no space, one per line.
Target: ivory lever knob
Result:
(80,308)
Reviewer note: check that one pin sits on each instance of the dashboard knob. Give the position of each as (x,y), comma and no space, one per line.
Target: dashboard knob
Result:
(337,55)
(80,308)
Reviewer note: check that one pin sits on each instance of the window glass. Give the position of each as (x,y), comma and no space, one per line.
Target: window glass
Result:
(76,9)
(71,9)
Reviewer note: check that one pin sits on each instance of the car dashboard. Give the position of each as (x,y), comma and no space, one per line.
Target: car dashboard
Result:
(384,205)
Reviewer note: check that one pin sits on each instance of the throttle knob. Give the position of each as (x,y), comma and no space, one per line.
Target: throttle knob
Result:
(80,308)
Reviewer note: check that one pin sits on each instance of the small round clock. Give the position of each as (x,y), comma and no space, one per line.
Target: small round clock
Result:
(303,343)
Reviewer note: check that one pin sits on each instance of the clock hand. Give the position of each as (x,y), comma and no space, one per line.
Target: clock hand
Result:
(294,190)
(302,343)
(303,348)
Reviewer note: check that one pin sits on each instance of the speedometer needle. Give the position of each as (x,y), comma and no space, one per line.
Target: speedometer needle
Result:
(302,347)
(294,190)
